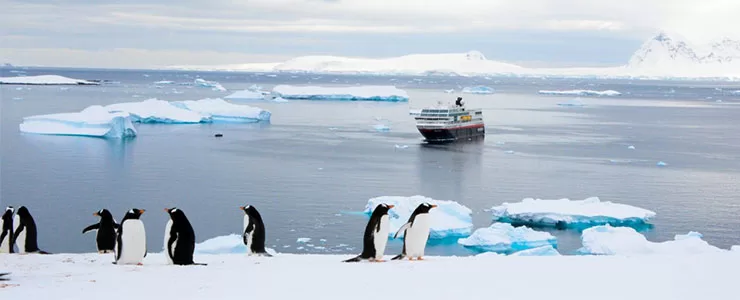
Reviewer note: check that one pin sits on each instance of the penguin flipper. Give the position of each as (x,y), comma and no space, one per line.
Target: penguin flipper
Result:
(404,227)
(354,259)
(397,257)
(95,226)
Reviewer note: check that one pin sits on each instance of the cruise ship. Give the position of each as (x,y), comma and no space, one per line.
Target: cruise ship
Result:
(449,123)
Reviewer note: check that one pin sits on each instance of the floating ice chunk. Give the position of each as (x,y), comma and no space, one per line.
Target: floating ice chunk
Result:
(232,243)
(349,93)
(450,91)
(502,237)
(477,90)
(303,240)
(93,121)
(401,146)
(222,111)
(661,164)
(449,218)
(509,151)
(164,82)
(547,250)
(573,103)
(608,240)
(581,92)
(245,95)
(210,84)
(631,147)
(565,213)
(381,128)
(158,111)
(279,99)
(45,80)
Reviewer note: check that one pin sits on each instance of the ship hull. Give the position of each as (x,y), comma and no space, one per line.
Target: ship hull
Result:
(450,135)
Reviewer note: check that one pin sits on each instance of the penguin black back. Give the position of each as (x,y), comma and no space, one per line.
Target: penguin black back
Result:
(6,231)
(182,232)
(257,227)
(368,239)
(106,230)
(28,225)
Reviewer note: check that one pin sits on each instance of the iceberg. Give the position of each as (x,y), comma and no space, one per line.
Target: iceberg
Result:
(565,213)
(477,90)
(209,84)
(349,93)
(158,111)
(581,93)
(502,237)
(232,243)
(94,121)
(221,111)
(547,250)
(449,218)
(608,240)
(246,95)
(45,80)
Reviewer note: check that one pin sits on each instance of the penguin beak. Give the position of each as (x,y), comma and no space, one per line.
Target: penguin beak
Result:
(167,210)
(96,214)
(391,206)
(141,211)
(241,207)
(434,205)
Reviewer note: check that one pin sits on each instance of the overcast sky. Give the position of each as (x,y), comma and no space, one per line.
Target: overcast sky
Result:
(137,33)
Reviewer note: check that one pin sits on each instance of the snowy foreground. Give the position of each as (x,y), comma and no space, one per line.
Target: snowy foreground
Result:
(45,80)
(291,276)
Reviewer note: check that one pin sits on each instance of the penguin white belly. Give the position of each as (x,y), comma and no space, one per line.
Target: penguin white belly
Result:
(250,236)
(5,243)
(417,236)
(381,237)
(166,240)
(133,243)
(20,240)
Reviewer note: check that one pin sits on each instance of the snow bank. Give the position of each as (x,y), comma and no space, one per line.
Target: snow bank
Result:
(295,276)
(44,80)
(158,111)
(608,240)
(209,84)
(349,93)
(245,95)
(221,111)
(547,250)
(449,218)
(571,213)
(581,92)
(93,121)
(477,90)
(502,237)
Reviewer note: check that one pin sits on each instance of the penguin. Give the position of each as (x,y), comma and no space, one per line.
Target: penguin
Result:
(6,231)
(131,239)
(416,233)
(179,238)
(376,235)
(105,236)
(25,234)
(253,232)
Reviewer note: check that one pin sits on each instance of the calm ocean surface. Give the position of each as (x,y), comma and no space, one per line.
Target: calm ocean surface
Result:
(318,162)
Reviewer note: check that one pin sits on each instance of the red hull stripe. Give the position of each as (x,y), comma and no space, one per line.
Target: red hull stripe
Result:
(453,128)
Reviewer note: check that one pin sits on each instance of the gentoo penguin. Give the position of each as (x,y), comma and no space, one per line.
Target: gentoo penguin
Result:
(24,233)
(253,232)
(6,231)
(376,235)
(105,237)
(179,238)
(131,239)
(416,233)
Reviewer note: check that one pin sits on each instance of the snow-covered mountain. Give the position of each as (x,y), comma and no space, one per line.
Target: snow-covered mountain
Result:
(663,56)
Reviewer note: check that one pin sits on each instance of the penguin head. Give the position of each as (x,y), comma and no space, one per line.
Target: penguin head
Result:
(134,213)
(175,213)
(246,208)
(104,213)
(383,208)
(424,208)
(8,214)
(10,209)
(23,212)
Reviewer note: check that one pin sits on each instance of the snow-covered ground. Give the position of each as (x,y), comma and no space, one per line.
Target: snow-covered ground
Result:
(45,80)
(294,276)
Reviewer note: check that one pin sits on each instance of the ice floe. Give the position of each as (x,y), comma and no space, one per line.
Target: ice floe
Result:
(503,237)
(93,121)
(608,240)
(348,93)
(232,243)
(209,84)
(580,92)
(564,213)
(245,95)
(158,111)
(449,218)
(477,90)
(45,80)
(221,111)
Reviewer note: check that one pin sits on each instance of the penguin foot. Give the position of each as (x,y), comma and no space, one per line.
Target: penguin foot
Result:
(379,260)
(140,264)
(419,258)
(411,258)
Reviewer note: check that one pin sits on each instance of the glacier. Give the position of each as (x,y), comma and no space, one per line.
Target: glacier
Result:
(608,240)
(449,218)
(221,111)
(482,90)
(347,93)
(93,121)
(45,80)
(581,92)
(503,237)
(566,213)
(158,111)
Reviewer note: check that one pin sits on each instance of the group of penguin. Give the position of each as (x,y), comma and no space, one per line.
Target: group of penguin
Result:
(127,240)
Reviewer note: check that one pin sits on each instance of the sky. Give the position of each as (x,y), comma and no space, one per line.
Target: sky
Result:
(534,33)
